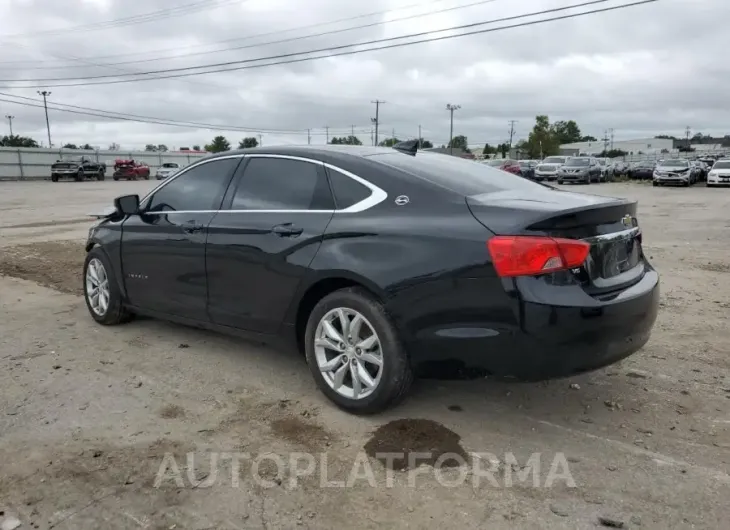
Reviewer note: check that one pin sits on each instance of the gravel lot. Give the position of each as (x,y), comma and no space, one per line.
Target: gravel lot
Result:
(90,416)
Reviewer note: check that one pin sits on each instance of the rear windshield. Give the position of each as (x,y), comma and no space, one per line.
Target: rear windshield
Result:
(554,160)
(463,176)
(170,164)
(578,162)
(722,164)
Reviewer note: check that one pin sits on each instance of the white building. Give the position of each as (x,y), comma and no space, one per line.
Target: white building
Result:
(633,147)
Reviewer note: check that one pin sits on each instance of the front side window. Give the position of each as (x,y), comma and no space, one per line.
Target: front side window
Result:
(271,183)
(200,188)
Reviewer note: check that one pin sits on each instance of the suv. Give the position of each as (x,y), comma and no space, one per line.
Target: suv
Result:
(78,168)
(580,169)
(674,171)
(548,168)
(167,169)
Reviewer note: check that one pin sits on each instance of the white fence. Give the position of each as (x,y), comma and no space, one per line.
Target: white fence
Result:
(25,163)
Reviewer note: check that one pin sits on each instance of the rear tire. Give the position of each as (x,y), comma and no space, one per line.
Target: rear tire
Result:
(54,178)
(393,375)
(113,312)
(560,182)
(655,183)
(79,176)
(100,175)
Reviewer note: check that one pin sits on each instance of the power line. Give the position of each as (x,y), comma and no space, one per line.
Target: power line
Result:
(132,20)
(249,37)
(291,39)
(158,121)
(341,47)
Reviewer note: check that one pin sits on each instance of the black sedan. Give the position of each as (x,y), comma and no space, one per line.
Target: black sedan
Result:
(376,262)
(527,169)
(642,171)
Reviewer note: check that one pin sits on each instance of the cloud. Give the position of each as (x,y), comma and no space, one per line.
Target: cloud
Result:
(642,71)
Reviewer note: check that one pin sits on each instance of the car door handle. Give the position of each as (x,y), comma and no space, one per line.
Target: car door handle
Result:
(286,230)
(191,227)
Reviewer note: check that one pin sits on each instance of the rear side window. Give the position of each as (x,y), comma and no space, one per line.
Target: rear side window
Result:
(462,176)
(347,191)
(199,188)
(282,184)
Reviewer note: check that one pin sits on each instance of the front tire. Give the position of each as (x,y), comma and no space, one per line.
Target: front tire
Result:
(54,178)
(100,175)
(101,290)
(354,353)
(79,176)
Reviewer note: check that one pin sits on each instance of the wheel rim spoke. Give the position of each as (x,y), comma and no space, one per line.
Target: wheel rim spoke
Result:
(340,376)
(332,364)
(328,343)
(331,332)
(355,327)
(372,359)
(365,376)
(368,343)
(356,383)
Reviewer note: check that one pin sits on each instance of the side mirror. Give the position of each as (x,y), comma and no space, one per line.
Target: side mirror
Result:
(127,204)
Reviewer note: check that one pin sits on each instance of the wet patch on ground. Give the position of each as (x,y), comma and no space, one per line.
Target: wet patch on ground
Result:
(172,412)
(396,445)
(715,267)
(295,430)
(54,264)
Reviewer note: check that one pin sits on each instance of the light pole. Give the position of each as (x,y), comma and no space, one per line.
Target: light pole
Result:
(46,93)
(10,121)
(451,108)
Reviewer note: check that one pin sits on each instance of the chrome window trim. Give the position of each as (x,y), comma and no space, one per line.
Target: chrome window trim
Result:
(377,195)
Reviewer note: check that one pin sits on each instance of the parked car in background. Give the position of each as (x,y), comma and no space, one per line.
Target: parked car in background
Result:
(675,171)
(702,170)
(77,168)
(579,169)
(548,168)
(620,168)
(167,169)
(130,170)
(719,174)
(259,242)
(527,168)
(642,171)
(505,164)
(606,169)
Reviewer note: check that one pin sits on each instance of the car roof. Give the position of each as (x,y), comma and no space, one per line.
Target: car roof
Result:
(311,150)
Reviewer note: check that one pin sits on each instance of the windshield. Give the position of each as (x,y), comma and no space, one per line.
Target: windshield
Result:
(525,163)
(675,163)
(645,165)
(722,164)
(578,162)
(554,160)
(601,161)
(496,163)
(459,175)
(170,165)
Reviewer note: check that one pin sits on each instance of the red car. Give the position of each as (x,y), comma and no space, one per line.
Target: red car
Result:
(505,164)
(130,170)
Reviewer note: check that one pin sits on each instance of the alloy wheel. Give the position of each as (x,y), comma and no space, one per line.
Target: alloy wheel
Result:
(348,353)
(97,287)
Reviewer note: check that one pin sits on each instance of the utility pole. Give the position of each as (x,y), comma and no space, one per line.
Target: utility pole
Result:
(10,120)
(327,131)
(511,132)
(688,131)
(261,140)
(611,131)
(352,129)
(419,137)
(605,141)
(372,136)
(393,137)
(376,120)
(451,108)
(45,94)
(309,136)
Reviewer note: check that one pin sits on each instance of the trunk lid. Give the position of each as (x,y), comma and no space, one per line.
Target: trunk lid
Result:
(616,260)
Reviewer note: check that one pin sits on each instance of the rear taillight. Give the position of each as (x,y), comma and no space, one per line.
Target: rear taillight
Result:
(531,255)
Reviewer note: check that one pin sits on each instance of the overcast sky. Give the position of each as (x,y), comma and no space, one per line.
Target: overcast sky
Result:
(644,70)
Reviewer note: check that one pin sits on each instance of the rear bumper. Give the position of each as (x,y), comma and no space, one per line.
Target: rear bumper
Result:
(549,341)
